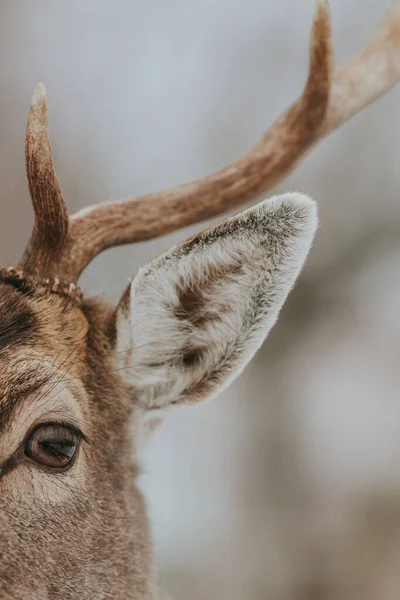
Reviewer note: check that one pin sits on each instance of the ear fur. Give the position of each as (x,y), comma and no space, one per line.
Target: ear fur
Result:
(193,317)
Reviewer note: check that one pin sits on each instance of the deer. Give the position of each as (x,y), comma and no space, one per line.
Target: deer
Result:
(79,375)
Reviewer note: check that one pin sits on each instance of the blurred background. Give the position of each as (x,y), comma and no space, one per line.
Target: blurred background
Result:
(287,487)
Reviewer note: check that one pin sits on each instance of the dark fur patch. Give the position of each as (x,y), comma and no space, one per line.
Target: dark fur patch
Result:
(17,321)
(191,305)
(194,306)
(192,356)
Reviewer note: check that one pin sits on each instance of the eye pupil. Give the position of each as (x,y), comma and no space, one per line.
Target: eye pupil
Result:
(58,449)
(53,445)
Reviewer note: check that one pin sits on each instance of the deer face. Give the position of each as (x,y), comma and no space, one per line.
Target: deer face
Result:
(72,523)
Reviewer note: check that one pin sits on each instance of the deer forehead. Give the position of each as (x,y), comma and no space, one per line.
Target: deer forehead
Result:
(46,323)
(42,358)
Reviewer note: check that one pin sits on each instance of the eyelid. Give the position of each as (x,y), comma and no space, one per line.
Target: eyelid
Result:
(56,423)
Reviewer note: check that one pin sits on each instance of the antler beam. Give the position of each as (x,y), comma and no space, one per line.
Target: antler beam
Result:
(277,152)
(326,102)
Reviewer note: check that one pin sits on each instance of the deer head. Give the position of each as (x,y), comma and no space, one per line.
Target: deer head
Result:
(78,375)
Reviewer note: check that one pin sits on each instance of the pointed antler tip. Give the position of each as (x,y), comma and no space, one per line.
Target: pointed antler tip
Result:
(321,31)
(322,10)
(39,94)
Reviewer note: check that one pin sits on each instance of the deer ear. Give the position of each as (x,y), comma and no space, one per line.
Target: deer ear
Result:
(192,318)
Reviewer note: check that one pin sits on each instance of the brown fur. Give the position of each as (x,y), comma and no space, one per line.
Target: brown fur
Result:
(97,539)
(193,302)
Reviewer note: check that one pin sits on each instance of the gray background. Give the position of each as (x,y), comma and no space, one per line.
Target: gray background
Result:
(287,486)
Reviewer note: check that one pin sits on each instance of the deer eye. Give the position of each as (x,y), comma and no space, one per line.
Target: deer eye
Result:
(53,445)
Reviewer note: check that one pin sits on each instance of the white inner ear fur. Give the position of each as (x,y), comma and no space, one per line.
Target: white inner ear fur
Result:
(195,315)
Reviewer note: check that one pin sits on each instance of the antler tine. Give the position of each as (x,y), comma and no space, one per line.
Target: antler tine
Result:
(367,75)
(95,229)
(51,217)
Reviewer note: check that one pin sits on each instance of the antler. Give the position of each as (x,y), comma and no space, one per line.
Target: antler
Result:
(51,217)
(325,103)
(367,75)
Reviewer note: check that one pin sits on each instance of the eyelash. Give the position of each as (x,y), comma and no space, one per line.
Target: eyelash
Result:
(73,428)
